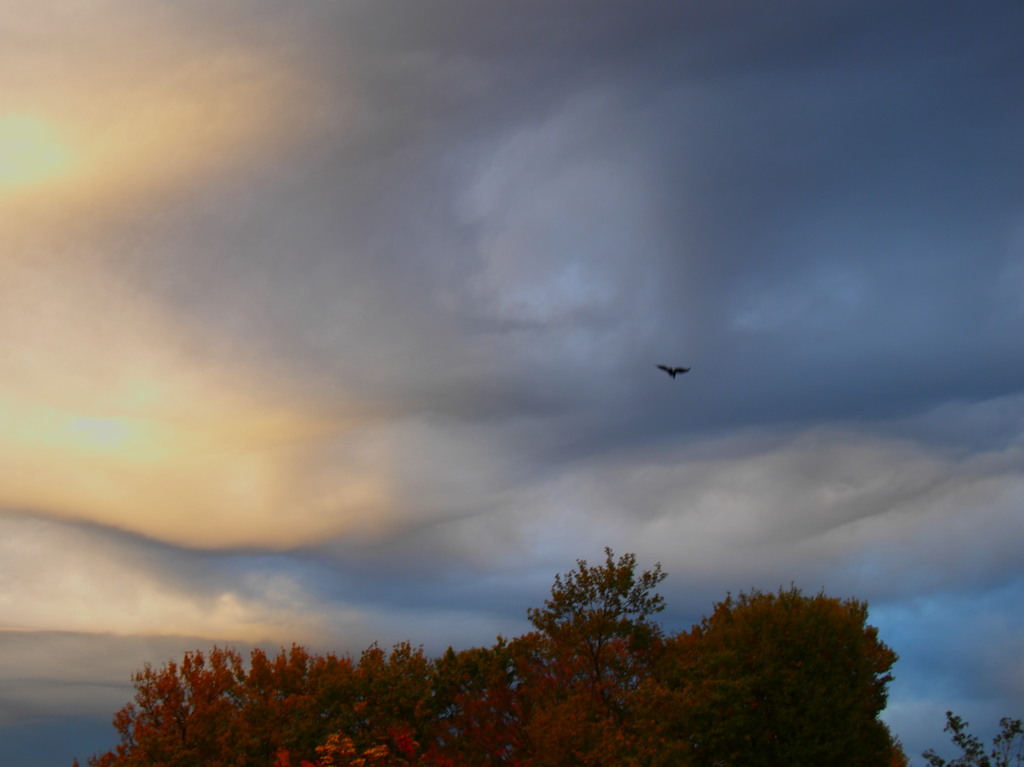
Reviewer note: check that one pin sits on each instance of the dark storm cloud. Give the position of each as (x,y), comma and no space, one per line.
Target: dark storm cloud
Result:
(793,129)
(827,196)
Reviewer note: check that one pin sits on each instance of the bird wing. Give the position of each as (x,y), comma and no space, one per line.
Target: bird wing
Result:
(664,367)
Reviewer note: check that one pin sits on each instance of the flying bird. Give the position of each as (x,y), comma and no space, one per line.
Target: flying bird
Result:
(673,371)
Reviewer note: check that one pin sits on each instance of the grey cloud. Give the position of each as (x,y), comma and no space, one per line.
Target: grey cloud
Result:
(852,509)
(790,274)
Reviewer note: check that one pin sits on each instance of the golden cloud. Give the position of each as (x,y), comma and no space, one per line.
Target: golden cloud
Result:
(111,411)
(118,99)
(238,480)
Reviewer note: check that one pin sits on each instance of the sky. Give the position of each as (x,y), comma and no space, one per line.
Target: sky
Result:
(336,322)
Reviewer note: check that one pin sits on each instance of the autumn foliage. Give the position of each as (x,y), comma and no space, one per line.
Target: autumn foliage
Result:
(766,679)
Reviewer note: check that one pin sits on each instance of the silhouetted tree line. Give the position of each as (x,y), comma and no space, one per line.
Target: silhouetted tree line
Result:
(767,679)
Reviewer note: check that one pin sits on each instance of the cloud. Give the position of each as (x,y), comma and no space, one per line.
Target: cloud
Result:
(67,674)
(847,507)
(850,506)
(70,578)
(535,268)
(140,99)
(151,430)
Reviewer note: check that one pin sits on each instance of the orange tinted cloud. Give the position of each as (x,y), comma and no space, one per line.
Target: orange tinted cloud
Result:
(114,99)
(112,411)
(113,408)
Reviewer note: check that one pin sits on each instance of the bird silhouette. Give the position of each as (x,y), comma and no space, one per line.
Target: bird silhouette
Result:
(673,371)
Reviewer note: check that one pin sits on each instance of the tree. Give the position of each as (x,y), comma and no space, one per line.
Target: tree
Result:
(594,612)
(182,714)
(596,639)
(783,678)
(489,697)
(212,710)
(1007,746)
(394,692)
(290,701)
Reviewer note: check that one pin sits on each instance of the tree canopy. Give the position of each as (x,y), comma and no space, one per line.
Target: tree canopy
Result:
(783,678)
(766,679)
